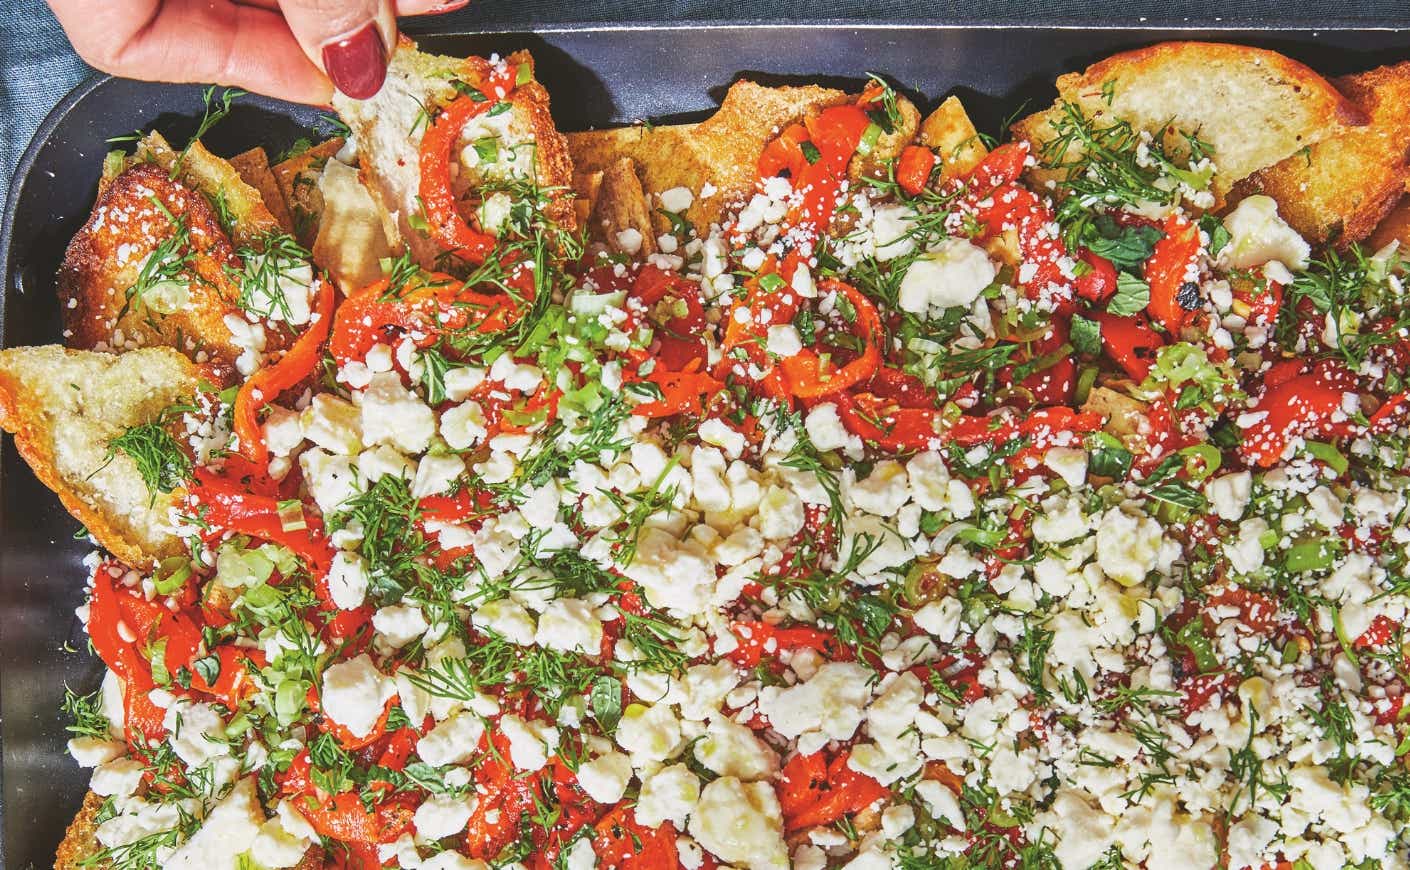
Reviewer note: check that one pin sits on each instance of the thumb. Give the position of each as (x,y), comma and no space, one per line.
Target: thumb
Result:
(349,39)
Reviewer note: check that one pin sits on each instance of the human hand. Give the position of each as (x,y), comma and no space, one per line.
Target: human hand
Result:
(292,49)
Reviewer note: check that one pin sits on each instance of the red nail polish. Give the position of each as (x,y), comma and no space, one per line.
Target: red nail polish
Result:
(357,63)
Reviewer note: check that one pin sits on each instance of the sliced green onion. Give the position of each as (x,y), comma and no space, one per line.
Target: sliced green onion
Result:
(1201,460)
(1346,642)
(524,74)
(1328,454)
(1316,555)
(172,574)
(291,515)
(1086,379)
(487,149)
(869,138)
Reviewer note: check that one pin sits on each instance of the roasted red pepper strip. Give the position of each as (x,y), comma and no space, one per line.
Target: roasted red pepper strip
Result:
(913,168)
(343,817)
(438,199)
(1098,283)
(848,792)
(1307,405)
(806,372)
(785,153)
(621,842)
(226,506)
(265,385)
(233,683)
(1130,342)
(757,639)
(882,422)
(436,303)
(144,719)
(688,392)
(1168,272)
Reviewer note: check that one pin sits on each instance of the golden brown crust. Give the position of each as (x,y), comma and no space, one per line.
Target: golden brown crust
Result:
(254,169)
(250,219)
(952,134)
(1254,107)
(1395,227)
(104,260)
(81,839)
(1338,190)
(616,202)
(64,407)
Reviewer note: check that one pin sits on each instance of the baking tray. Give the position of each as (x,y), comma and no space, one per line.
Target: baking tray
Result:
(597,76)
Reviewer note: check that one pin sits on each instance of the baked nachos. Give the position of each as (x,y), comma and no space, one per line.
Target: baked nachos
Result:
(824,484)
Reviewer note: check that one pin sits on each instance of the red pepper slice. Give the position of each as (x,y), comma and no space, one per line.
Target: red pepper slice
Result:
(442,211)
(678,337)
(1168,271)
(757,639)
(806,372)
(785,153)
(435,304)
(1301,406)
(619,841)
(265,385)
(228,507)
(1099,282)
(1130,342)
(144,719)
(1056,378)
(882,422)
(233,683)
(847,792)
(913,168)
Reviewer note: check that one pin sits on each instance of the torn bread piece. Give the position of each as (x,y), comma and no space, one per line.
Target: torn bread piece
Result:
(1251,106)
(717,159)
(352,239)
(238,205)
(618,212)
(152,267)
(65,407)
(497,146)
(950,132)
(254,169)
(297,176)
(1339,189)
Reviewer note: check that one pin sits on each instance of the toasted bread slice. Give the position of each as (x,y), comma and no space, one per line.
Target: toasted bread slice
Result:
(298,177)
(950,132)
(1395,227)
(239,205)
(616,203)
(106,305)
(388,129)
(720,155)
(80,841)
(64,407)
(254,169)
(1339,189)
(1252,106)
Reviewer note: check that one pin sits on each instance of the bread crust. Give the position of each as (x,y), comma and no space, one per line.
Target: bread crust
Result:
(1253,106)
(64,406)
(1340,189)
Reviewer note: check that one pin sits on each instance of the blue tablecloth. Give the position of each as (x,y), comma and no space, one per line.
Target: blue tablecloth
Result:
(39,67)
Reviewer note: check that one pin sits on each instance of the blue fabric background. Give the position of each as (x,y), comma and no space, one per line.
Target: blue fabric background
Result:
(39,67)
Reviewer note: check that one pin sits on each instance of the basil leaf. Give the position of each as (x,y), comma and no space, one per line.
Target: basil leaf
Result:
(1125,247)
(1218,236)
(1179,494)
(1086,335)
(1113,462)
(1132,296)
(208,668)
(606,700)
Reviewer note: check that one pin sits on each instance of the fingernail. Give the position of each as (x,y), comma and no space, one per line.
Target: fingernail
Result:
(448,7)
(357,63)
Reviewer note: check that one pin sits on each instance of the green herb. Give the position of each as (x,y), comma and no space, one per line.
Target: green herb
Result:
(1132,296)
(1086,335)
(160,459)
(214,113)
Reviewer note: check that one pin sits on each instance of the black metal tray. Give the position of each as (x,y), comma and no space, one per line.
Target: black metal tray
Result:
(597,76)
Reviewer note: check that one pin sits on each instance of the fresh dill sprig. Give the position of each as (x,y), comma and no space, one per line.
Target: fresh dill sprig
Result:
(160,459)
